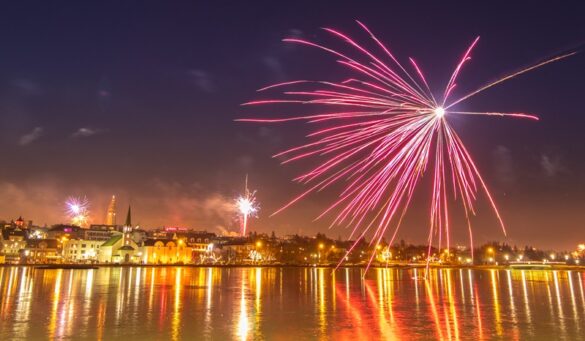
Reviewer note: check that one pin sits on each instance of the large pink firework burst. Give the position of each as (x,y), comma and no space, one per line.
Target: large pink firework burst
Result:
(384,130)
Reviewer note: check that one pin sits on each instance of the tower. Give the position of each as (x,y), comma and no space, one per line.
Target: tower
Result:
(19,222)
(111,216)
(127,229)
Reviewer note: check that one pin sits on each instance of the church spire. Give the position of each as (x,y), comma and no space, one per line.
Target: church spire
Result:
(128,218)
(127,229)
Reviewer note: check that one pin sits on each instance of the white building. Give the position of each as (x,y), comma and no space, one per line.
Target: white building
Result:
(81,250)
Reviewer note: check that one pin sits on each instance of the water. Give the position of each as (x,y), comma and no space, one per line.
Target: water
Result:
(184,303)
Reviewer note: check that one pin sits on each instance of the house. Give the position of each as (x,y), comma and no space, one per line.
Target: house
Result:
(81,250)
(236,250)
(165,251)
(117,250)
(41,251)
(12,241)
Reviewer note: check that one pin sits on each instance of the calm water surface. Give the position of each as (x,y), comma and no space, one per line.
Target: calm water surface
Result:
(182,303)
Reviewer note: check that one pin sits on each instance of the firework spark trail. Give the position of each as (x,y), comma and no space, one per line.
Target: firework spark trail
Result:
(247,206)
(381,146)
(77,210)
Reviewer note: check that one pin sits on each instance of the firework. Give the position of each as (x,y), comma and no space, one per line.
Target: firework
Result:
(384,130)
(77,210)
(247,207)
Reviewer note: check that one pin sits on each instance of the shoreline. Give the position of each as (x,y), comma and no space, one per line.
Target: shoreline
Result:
(392,266)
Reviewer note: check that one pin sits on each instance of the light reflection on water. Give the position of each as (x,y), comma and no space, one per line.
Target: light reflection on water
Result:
(177,303)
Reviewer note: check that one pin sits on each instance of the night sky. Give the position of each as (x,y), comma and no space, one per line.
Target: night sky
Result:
(139,99)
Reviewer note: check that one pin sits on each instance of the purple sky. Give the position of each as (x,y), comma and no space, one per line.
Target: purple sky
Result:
(139,101)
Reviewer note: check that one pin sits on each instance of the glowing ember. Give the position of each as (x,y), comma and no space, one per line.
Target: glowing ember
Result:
(439,112)
(385,129)
(247,206)
(77,211)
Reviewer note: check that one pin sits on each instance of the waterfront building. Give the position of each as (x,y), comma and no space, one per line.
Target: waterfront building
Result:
(115,250)
(106,251)
(171,245)
(41,251)
(81,250)
(236,249)
(12,241)
(166,251)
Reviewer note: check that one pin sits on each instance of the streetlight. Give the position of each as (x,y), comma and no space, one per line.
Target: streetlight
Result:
(491,254)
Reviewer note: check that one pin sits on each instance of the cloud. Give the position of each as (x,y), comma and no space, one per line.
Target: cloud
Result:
(85,132)
(202,80)
(295,33)
(551,166)
(275,66)
(27,87)
(245,161)
(104,94)
(504,166)
(270,135)
(22,198)
(189,205)
(29,138)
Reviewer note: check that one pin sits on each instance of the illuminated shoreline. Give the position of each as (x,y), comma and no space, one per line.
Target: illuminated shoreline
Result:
(75,266)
